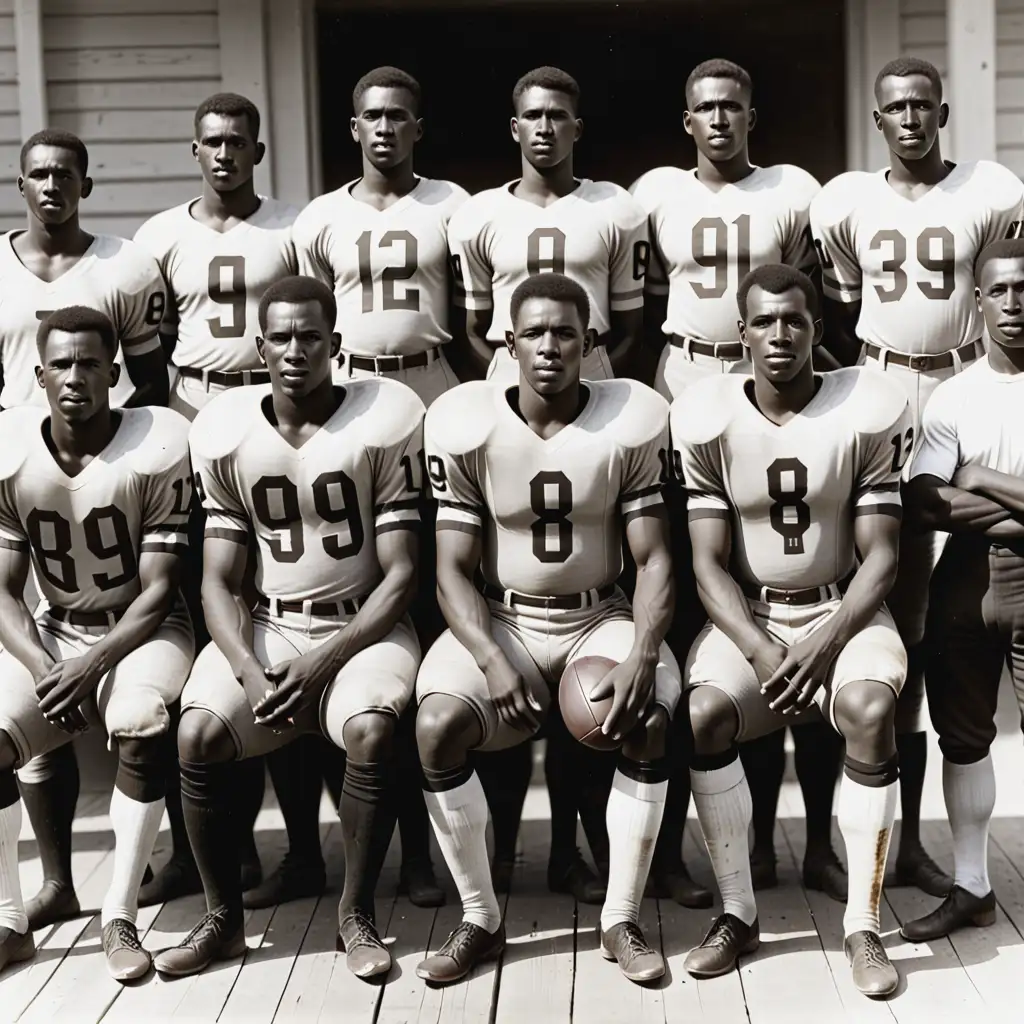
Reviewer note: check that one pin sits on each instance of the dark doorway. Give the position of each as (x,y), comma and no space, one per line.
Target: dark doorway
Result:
(631,60)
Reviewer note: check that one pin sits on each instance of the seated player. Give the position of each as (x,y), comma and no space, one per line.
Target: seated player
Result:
(966,480)
(322,479)
(790,475)
(537,483)
(96,501)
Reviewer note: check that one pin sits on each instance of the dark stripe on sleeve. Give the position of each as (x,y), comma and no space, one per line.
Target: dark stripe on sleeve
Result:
(13,545)
(892,488)
(405,524)
(447,524)
(165,549)
(651,511)
(706,513)
(477,510)
(643,492)
(396,506)
(886,509)
(218,533)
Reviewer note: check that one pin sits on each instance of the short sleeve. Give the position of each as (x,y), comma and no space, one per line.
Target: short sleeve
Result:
(471,267)
(883,456)
(455,485)
(226,517)
(938,454)
(12,532)
(311,249)
(841,275)
(700,472)
(166,503)
(1005,208)
(798,244)
(643,477)
(629,259)
(397,495)
(141,303)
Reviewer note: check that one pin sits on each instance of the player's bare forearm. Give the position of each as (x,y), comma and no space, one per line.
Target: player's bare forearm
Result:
(148,372)
(622,340)
(18,633)
(228,618)
(159,574)
(462,604)
(841,331)
(932,504)
(1004,488)
(397,552)
(654,594)
(720,594)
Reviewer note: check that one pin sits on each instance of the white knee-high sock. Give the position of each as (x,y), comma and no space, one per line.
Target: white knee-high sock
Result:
(970,794)
(865,819)
(459,817)
(634,819)
(12,906)
(724,809)
(135,826)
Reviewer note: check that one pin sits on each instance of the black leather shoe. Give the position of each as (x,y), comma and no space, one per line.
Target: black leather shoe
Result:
(126,959)
(577,879)
(763,872)
(417,880)
(53,903)
(15,947)
(294,878)
(178,877)
(673,882)
(365,954)
(826,874)
(958,910)
(727,940)
(637,959)
(873,972)
(216,937)
(918,869)
(466,947)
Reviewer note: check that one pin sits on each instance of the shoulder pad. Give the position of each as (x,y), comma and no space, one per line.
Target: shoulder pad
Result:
(464,417)
(17,426)
(1002,188)
(704,410)
(158,233)
(797,180)
(875,402)
(384,409)
(632,412)
(652,186)
(222,425)
(157,439)
(128,266)
(468,220)
(839,196)
(277,214)
(439,192)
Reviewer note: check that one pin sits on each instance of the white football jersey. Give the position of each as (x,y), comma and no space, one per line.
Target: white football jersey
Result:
(703,243)
(215,280)
(791,492)
(597,235)
(314,510)
(551,512)
(115,276)
(86,533)
(973,418)
(388,268)
(911,264)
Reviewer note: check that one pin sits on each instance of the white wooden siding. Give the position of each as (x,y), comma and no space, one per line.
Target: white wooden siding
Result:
(127,75)
(10,121)
(1010,84)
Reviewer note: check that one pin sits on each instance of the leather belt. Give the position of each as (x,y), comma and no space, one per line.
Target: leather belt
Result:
(225,378)
(389,364)
(730,351)
(318,609)
(923,363)
(806,596)
(566,602)
(87,619)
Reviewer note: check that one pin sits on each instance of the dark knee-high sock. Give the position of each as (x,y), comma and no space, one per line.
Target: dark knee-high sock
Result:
(208,798)
(180,848)
(295,771)
(562,772)
(596,771)
(817,752)
(669,848)
(505,777)
(367,824)
(252,782)
(913,753)
(332,765)
(51,810)
(764,762)
(413,823)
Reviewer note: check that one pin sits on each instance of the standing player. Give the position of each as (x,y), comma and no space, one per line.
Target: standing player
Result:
(538,487)
(708,228)
(52,264)
(966,481)
(324,480)
(898,248)
(218,254)
(381,243)
(790,477)
(96,501)
(550,220)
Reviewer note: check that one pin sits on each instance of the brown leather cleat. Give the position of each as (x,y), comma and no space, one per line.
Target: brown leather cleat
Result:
(873,972)
(921,871)
(466,947)
(295,878)
(178,877)
(53,903)
(673,882)
(727,940)
(214,938)
(126,959)
(637,959)
(578,880)
(826,874)
(416,878)
(958,910)
(365,955)
(15,947)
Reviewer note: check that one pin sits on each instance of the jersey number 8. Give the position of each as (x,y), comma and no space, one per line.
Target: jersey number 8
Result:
(789,514)
(548,516)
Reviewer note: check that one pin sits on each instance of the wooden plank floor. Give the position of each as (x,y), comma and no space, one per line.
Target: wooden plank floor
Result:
(552,970)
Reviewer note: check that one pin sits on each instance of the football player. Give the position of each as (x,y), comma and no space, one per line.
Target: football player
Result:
(550,220)
(52,264)
(326,481)
(381,243)
(96,502)
(709,226)
(791,476)
(898,248)
(966,481)
(218,254)
(538,486)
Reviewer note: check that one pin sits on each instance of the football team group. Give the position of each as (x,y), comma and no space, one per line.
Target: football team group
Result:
(735,451)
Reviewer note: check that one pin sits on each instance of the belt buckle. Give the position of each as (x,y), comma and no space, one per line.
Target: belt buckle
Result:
(919,363)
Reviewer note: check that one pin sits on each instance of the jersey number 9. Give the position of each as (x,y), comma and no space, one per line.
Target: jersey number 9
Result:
(233,295)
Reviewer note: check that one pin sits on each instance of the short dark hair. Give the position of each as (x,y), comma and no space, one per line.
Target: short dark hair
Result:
(718,67)
(299,289)
(78,320)
(903,67)
(551,78)
(228,104)
(777,278)
(62,140)
(1004,249)
(550,286)
(387,77)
